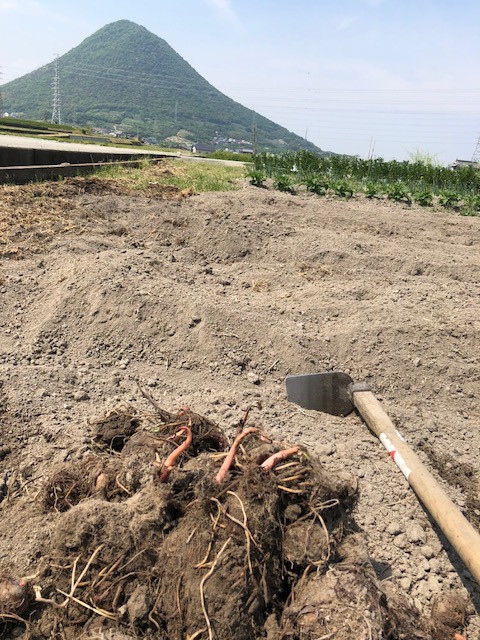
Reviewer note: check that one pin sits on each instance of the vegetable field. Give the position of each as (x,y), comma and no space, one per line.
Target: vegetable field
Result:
(421,182)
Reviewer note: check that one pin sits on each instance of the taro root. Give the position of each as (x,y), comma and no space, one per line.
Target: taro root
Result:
(448,615)
(253,542)
(15,595)
(345,603)
(115,429)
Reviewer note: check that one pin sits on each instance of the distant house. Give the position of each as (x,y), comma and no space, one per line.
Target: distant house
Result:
(202,148)
(464,163)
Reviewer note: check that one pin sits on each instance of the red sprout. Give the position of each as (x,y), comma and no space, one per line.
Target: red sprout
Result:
(272,461)
(227,463)
(170,462)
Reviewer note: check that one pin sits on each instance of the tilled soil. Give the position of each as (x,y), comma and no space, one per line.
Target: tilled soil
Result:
(209,302)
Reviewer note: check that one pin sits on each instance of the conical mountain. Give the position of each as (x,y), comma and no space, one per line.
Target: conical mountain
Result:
(125,75)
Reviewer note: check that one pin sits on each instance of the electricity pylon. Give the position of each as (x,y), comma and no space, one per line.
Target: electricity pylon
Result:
(476,153)
(56,113)
(1,97)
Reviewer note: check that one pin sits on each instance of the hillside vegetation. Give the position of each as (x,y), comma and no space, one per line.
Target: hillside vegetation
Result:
(125,75)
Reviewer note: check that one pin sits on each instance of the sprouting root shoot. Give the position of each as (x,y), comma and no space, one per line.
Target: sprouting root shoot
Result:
(101,482)
(227,463)
(171,461)
(272,461)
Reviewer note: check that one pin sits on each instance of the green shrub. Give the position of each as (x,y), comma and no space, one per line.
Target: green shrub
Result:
(284,183)
(229,155)
(343,189)
(316,184)
(257,178)
(398,192)
(449,199)
(372,190)
(471,206)
(474,202)
(423,198)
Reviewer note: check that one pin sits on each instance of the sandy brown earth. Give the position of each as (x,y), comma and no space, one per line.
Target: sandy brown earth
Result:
(210,301)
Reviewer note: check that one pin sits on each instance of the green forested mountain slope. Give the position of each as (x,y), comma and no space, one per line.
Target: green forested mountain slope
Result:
(127,76)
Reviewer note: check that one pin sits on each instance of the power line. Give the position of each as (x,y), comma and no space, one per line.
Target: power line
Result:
(73,69)
(271,90)
(56,113)
(154,81)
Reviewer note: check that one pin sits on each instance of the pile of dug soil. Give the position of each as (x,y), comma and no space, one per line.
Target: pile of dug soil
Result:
(33,214)
(211,301)
(167,531)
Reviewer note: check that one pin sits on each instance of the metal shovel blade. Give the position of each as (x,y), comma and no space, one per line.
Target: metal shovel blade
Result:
(327,392)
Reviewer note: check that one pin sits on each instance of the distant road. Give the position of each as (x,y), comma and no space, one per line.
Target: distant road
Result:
(23,142)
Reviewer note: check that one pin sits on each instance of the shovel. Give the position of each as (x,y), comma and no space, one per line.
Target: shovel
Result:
(335,393)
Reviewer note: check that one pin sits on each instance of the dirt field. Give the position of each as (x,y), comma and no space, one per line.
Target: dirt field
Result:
(210,301)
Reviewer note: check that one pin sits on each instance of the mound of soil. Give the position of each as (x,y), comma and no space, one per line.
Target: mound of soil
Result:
(34,214)
(265,548)
(210,301)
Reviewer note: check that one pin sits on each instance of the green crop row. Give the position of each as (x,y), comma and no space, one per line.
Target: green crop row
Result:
(321,185)
(417,176)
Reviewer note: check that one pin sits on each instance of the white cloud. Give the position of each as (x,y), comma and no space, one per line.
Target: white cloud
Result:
(226,11)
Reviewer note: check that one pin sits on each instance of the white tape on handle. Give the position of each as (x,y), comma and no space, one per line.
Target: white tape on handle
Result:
(396,457)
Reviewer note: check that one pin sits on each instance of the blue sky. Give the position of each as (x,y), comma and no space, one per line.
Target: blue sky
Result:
(400,74)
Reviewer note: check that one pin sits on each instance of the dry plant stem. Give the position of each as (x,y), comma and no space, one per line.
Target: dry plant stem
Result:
(100,612)
(164,415)
(202,584)
(204,562)
(299,476)
(74,583)
(139,553)
(104,575)
(270,462)
(243,420)
(325,530)
(13,616)
(177,594)
(248,534)
(172,458)
(287,465)
(197,634)
(153,609)
(287,490)
(227,463)
(120,485)
(191,535)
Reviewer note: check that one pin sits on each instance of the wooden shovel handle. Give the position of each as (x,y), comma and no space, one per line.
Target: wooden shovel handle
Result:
(460,533)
